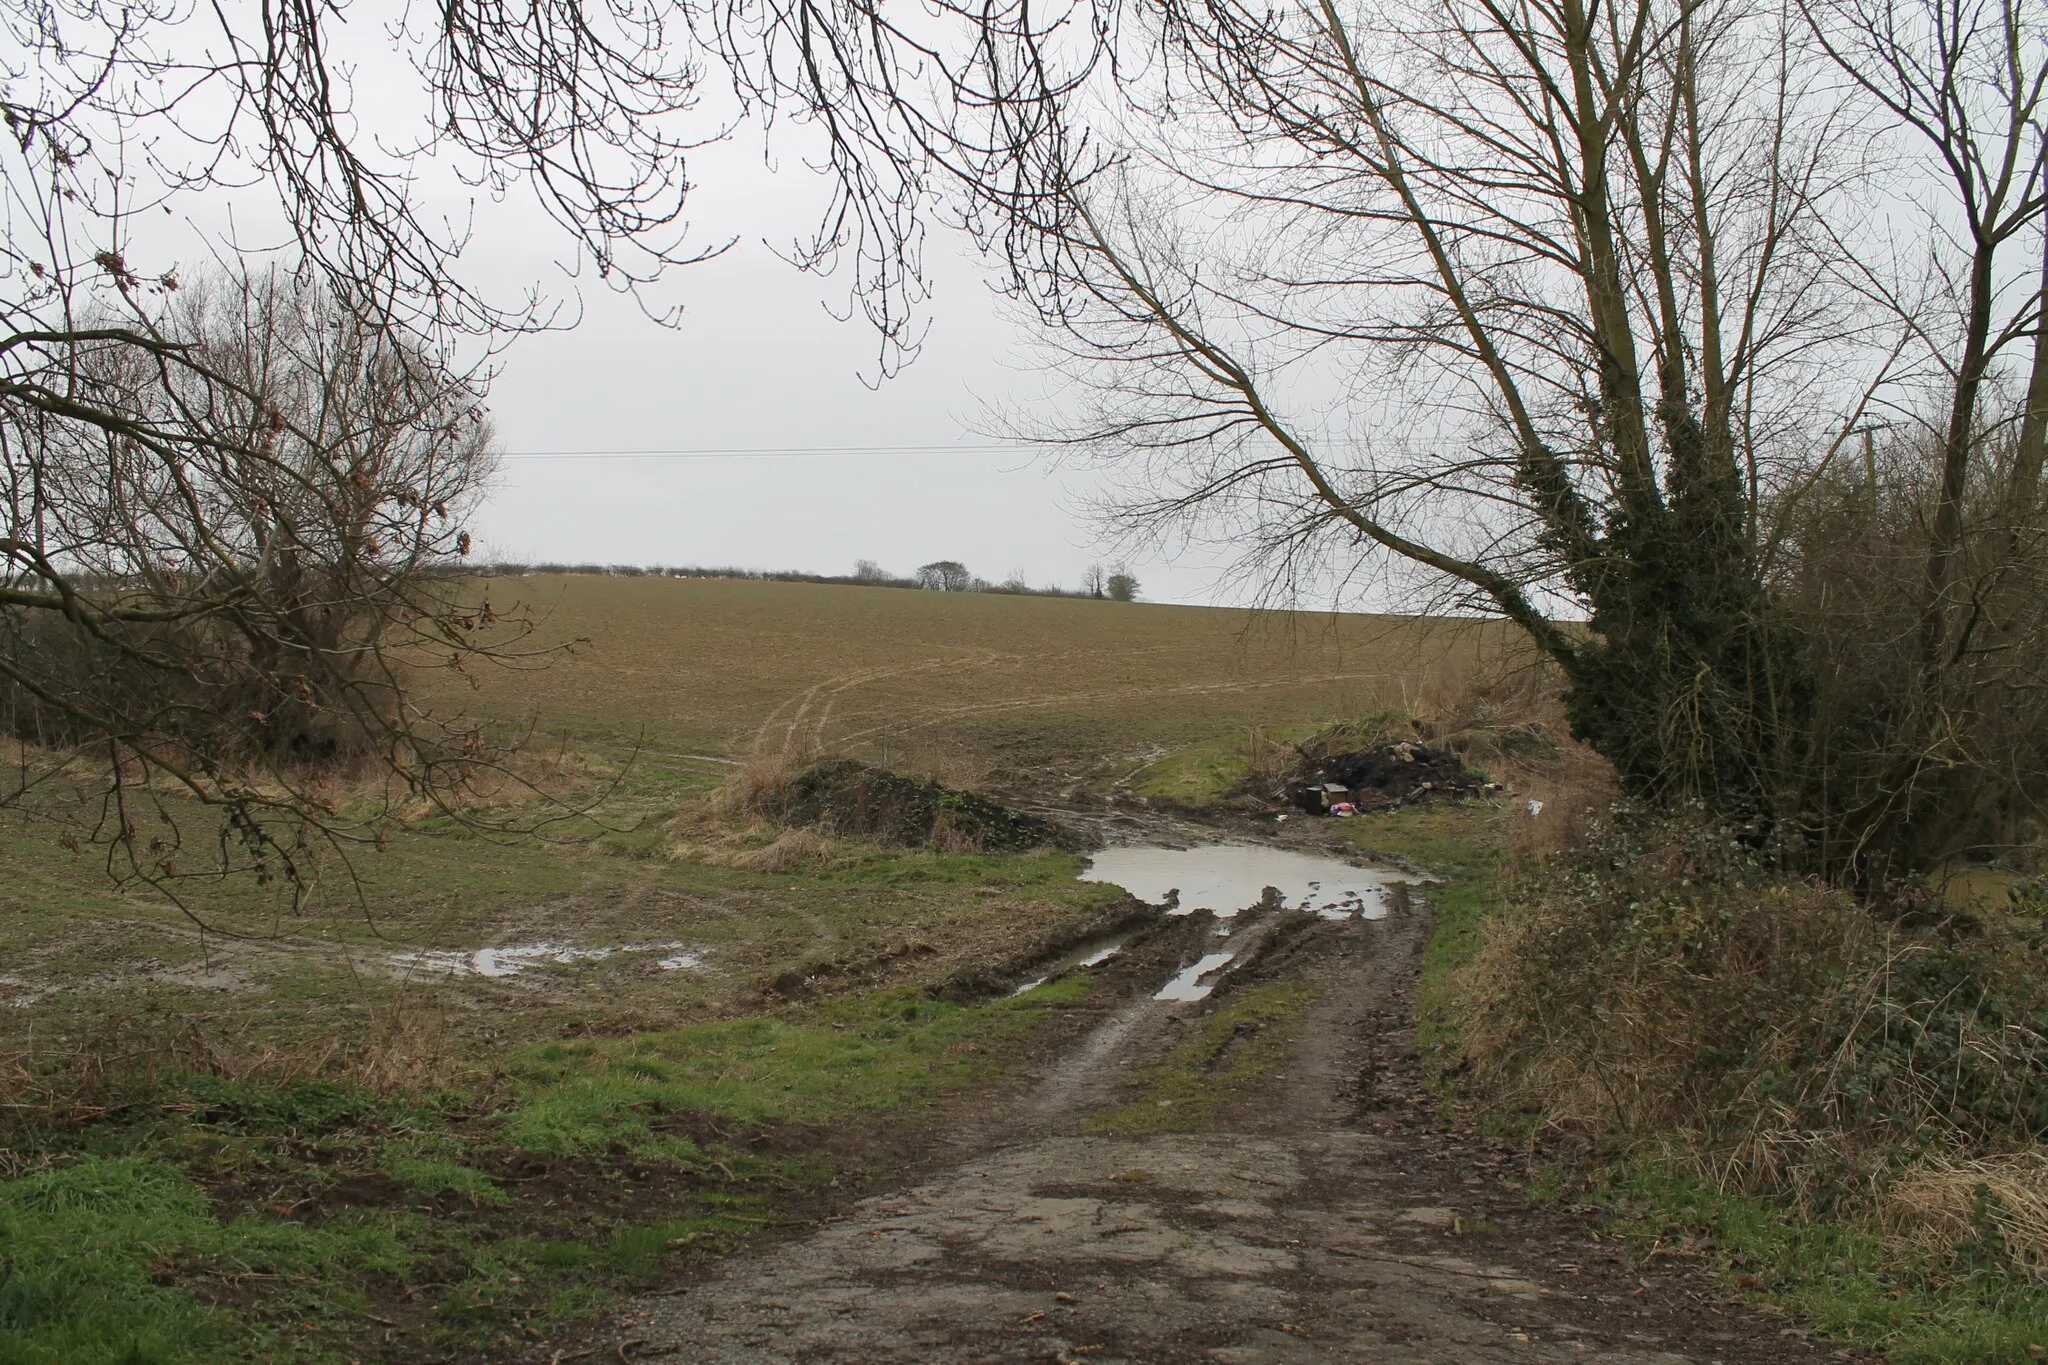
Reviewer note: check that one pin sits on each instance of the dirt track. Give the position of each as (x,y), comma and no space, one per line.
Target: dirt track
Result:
(1327,1220)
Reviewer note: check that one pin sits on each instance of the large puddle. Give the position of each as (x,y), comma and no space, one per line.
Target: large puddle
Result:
(1228,878)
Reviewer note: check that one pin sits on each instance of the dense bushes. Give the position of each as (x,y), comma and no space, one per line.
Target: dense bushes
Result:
(1659,989)
(1911,749)
(198,688)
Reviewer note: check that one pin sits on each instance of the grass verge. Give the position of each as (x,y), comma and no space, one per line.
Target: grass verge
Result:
(1204,773)
(1812,1230)
(230,1220)
(1233,1047)
(1842,1278)
(1460,847)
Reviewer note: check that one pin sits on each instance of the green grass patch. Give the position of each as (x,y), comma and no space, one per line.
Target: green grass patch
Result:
(1965,1308)
(236,1220)
(1234,1047)
(1203,773)
(1461,845)
(1199,774)
(855,1057)
(94,1249)
(438,1175)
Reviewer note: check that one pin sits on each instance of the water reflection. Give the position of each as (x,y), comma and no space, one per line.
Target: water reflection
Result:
(1093,953)
(498,963)
(1227,878)
(1188,985)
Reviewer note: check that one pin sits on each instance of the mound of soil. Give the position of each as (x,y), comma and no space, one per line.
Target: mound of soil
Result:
(854,800)
(1397,774)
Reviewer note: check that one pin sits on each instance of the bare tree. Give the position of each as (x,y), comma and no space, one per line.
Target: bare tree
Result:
(1965,79)
(217,585)
(202,509)
(1095,582)
(1562,269)
(230,510)
(118,117)
(1933,685)
(1562,309)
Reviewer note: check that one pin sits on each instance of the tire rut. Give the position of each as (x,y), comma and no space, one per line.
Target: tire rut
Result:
(1330,1218)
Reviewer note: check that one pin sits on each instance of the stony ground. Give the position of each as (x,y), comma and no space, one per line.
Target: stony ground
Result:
(1326,1218)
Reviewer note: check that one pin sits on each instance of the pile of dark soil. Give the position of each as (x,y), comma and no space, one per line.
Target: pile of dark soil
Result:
(1398,774)
(849,798)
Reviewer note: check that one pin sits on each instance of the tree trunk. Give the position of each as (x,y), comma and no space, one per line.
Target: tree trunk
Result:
(1945,533)
(2033,438)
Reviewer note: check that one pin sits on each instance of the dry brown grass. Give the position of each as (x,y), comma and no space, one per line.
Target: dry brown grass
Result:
(397,1049)
(706,835)
(1574,788)
(1619,1068)
(1943,1203)
(735,826)
(792,849)
(1660,990)
(760,784)
(1506,718)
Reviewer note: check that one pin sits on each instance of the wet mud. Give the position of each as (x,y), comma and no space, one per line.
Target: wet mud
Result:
(1327,1217)
(511,959)
(1089,953)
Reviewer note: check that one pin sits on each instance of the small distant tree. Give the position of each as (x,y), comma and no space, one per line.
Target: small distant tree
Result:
(1016,582)
(867,571)
(1095,583)
(1122,586)
(944,575)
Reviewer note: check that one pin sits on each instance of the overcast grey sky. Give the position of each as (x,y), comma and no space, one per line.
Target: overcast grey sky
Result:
(759,362)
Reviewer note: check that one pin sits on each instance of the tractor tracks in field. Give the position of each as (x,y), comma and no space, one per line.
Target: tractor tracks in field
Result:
(809,712)
(801,724)
(982,710)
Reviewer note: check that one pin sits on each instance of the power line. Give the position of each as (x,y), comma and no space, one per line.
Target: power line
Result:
(761,452)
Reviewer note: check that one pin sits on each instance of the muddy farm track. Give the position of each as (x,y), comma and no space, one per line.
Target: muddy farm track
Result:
(1321,1216)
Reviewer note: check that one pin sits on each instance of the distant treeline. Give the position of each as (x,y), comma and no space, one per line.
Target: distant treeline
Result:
(940,576)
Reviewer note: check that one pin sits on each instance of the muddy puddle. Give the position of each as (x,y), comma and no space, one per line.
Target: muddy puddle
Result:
(512,959)
(1188,985)
(1226,879)
(1082,956)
